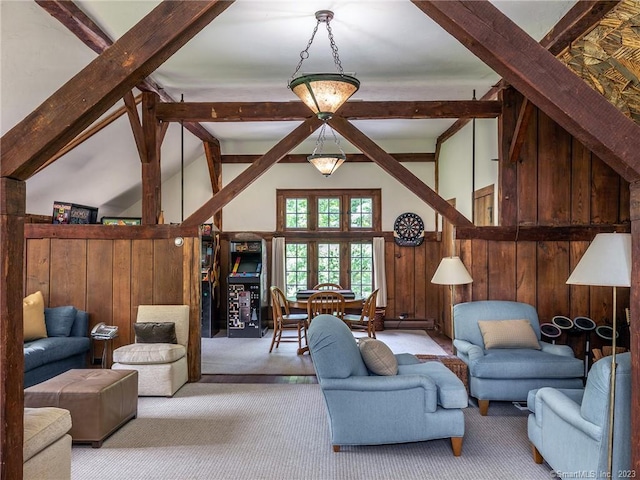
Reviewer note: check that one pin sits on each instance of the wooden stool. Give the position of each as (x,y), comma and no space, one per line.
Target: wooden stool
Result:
(100,401)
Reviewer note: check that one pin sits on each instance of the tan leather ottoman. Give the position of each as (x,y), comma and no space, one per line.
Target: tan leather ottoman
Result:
(100,401)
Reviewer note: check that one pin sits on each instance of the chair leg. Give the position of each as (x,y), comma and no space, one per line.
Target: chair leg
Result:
(456,446)
(537,456)
(336,448)
(483,405)
(275,333)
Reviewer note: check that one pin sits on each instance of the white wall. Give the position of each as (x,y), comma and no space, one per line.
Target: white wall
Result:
(255,208)
(455,169)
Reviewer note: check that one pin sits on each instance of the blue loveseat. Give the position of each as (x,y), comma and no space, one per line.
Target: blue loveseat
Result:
(65,347)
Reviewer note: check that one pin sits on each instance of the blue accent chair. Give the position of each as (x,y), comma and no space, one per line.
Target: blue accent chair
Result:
(570,428)
(424,401)
(508,374)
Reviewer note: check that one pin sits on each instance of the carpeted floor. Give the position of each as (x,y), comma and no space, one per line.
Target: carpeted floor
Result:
(251,431)
(250,356)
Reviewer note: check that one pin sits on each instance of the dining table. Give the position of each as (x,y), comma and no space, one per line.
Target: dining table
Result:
(354,303)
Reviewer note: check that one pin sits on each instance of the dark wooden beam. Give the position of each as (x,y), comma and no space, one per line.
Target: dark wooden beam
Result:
(577,21)
(287,111)
(540,77)
(97,232)
(534,233)
(70,15)
(105,80)
(351,158)
(136,124)
(151,177)
(214,164)
(397,171)
(12,212)
(524,115)
(251,173)
(634,324)
(507,171)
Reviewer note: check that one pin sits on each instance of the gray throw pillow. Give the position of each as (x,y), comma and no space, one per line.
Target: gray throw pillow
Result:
(378,357)
(59,320)
(155,332)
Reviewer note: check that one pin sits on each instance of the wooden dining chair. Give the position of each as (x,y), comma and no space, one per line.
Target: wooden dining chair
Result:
(325,301)
(327,286)
(364,321)
(283,320)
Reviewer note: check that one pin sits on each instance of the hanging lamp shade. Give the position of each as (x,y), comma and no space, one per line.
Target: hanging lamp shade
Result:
(327,163)
(324,93)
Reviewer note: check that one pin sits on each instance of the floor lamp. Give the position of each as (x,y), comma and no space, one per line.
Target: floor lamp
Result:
(607,263)
(452,272)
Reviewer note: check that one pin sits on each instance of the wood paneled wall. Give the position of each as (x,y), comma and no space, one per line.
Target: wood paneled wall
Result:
(109,270)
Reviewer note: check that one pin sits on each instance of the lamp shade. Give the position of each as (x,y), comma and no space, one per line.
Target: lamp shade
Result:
(324,93)
(451,271)
(606,263)
(327,163)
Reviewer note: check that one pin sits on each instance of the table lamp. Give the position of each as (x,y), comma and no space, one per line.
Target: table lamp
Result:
(452,272)
(607,263)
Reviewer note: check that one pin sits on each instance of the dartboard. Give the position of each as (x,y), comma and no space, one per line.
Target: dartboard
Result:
(408,230)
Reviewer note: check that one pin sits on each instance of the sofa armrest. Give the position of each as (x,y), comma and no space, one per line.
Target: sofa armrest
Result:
(391,383)
(80,327)
(563,350)
(469,349)
(566,409)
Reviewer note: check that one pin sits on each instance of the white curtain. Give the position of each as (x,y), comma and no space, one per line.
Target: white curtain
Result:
(380,276)
(278,263)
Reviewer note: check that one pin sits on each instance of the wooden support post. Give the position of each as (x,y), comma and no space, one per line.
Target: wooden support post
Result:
(12,212)
(507,171)
(634,326)
(214,163)
(151,178)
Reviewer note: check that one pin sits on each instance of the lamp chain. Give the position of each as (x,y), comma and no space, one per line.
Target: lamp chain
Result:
(304,54)
(320,140)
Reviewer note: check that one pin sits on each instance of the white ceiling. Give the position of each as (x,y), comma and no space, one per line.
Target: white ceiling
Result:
(248,53)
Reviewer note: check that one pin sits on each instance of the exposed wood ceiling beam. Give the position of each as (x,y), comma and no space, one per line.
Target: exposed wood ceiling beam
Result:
(581,18)
(287,111)
(91,131)
(540,77)
(214,164)
(351,158)
(520,134)
(251,173)
(397,171)
(72,17)
(100,84)
(136,125)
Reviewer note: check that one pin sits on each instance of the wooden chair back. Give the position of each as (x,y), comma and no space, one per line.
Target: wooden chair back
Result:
(279,304)
(325,301)
(327,286)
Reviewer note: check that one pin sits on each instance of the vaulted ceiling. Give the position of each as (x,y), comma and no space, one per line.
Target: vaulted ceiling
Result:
(246,54)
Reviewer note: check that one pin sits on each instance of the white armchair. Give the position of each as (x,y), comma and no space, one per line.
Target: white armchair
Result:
(162,367)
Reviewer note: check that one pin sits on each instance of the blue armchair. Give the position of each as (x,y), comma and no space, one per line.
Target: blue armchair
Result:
(508,374)
(570,428)
(423,401)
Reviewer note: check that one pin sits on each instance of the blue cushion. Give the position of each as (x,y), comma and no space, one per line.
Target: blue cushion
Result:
(524,363)
(59,320)
(51,349)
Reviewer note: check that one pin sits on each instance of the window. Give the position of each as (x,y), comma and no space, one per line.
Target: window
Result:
(329,237)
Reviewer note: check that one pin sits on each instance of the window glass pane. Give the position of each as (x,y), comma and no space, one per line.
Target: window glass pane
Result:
(329,212)
(361,269)
(329,263)
(295,268)
(296,211)
(361,213)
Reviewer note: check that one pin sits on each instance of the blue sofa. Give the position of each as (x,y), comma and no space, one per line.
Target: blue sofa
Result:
(508,374)
(62,350)
(570,428)
(422,401)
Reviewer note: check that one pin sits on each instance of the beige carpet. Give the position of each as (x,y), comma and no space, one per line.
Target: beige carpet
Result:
(280,431)
(250,356)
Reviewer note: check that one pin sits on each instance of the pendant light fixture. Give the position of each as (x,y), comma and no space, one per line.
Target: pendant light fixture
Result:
(326,163)
(323,93)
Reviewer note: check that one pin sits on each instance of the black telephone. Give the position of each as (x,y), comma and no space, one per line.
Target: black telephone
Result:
(104,332)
